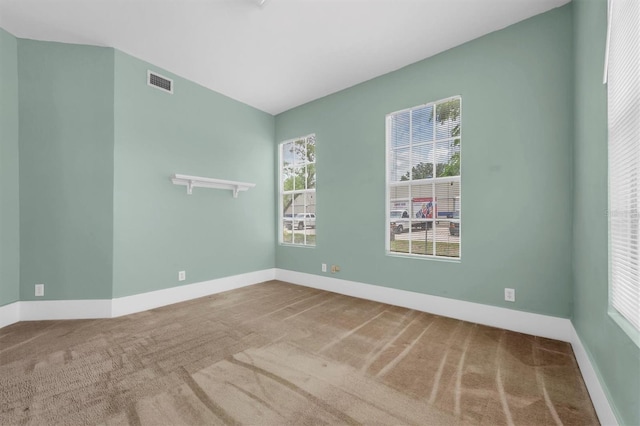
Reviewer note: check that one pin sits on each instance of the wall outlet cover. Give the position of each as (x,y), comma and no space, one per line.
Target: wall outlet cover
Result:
(182,275)
(510,294)
(324,267)
(39,290)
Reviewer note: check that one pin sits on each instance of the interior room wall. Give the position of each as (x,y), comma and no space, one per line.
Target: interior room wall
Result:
(91,148)
(517,132)
(9,193)
(100,216)
(613,354)
(66,170)
(159,229)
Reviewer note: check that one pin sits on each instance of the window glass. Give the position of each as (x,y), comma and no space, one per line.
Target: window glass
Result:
(298,191)
(423,180)
(623,89)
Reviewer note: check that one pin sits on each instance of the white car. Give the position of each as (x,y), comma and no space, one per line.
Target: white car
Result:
(399,220)
(301,220)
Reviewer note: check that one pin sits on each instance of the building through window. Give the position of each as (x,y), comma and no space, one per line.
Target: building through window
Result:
(298,191)
(423,180)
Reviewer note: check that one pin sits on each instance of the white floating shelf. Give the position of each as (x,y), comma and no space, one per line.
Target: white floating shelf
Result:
(202,182)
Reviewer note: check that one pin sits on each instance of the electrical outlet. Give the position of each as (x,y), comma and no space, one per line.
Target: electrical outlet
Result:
(510,294)
(182,275)
(324,267)
(39,289)
(334,269)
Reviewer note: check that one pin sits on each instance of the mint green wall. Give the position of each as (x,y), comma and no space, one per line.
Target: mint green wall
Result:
(96,215)
(9,213)
(158,228)
(517,91)
(66,170)
(100,216)
(613,354)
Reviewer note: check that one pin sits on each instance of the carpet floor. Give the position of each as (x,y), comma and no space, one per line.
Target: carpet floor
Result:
(278,354)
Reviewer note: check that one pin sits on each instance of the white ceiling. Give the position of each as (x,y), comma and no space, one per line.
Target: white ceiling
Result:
(275,56)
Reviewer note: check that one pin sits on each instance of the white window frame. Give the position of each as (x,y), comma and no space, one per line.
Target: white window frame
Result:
(389,183)
(296,192)
(623,106)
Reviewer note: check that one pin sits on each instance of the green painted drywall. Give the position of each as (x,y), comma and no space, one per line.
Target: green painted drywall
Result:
(158,228)
(9,201)
(66,170)
(517,92)
(615,357)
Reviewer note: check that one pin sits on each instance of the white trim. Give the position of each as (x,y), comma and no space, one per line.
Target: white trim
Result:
(605,76)
(9,314)
(41,310)
(494,316)
(596,391)
(154,299)
(424,105)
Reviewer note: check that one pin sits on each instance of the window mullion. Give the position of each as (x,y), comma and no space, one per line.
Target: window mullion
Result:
(410,207)
(416,145)
(299,166)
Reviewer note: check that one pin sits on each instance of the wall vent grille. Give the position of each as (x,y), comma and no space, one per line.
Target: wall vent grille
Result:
(159,82)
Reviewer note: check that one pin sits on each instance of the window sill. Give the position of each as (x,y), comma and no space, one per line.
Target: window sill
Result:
(296,245)
(622,322)
(424,257)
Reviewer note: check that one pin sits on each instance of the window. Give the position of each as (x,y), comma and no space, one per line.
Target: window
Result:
(623,86)
(298,191)
(423,180)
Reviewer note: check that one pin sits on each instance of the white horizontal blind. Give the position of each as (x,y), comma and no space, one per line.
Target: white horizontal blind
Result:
(624,157)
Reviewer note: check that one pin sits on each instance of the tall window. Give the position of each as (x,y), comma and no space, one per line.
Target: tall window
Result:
(423,180)
(298,191)
(623,75)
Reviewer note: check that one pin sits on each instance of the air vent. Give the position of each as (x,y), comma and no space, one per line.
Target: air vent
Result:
(159,82)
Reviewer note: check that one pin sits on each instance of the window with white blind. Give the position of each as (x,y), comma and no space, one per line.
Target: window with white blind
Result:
(623,86)
(423,180)
(298,191)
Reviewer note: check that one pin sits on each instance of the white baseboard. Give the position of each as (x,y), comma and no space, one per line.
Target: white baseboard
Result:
(9,314)
(154,299)
(598,396)
(40,310)
(494,316)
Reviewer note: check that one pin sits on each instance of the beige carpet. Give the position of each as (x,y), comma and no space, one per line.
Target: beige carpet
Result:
(276,354)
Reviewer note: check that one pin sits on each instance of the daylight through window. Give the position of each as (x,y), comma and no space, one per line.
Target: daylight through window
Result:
(624,159)
(298,191)
(423,180)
